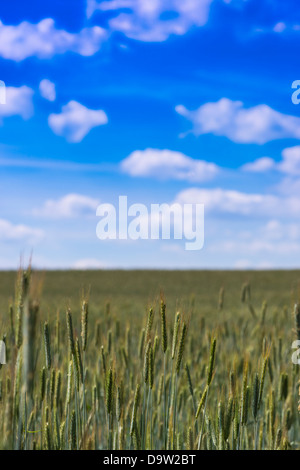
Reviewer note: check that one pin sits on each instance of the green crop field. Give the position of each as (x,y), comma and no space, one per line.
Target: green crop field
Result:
(149,360)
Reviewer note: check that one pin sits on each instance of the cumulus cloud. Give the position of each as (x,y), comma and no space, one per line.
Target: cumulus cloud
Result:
(69,206)
(19,233)
(47,90)
(18,102)
(75,121)
(153,20)
(290,163)
(259,124)
(167,164)
(218,201)
(43,40)
(260,165)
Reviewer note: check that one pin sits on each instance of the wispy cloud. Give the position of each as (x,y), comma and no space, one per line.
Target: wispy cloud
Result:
(43,40)
(56,165)
(69,206)
(218,201)
(259,124)
(75,121)
(10,232)
(167,164)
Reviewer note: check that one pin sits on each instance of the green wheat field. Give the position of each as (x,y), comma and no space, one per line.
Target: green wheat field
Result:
(149,360)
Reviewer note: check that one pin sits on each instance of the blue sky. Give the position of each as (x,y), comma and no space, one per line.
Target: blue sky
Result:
(162,101)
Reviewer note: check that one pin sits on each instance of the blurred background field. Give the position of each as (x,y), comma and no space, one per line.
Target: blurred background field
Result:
(130,293)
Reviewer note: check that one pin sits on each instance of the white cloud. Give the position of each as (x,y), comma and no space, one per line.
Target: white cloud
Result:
(18,102)
(47,90)
(290,167)
(220,200)
(259,124)
(148,21)
(235,202)
(69,206)
(75,121)
(43,40)
(19,233)
(167,164)
(290,163)
(260,165)
(89,263)
(279,27)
